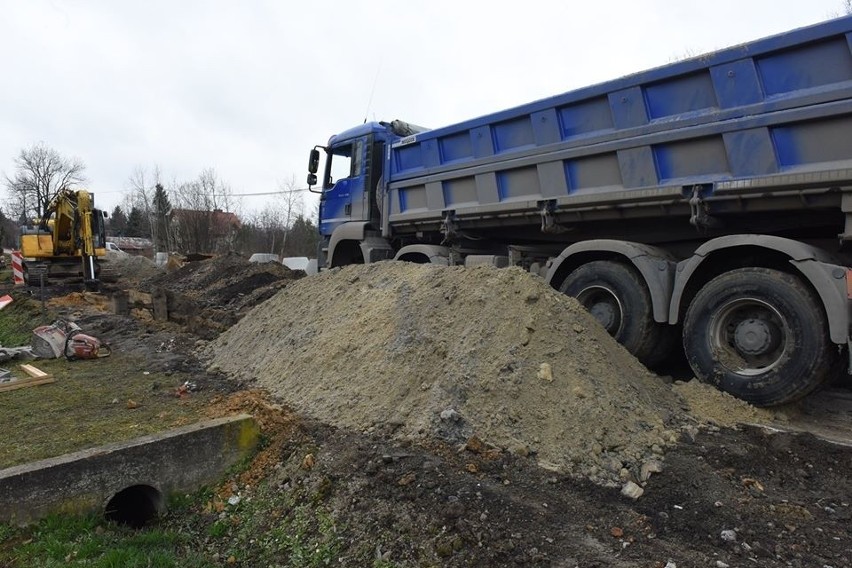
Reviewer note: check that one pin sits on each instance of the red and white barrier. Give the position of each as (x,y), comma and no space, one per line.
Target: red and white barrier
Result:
(17,268)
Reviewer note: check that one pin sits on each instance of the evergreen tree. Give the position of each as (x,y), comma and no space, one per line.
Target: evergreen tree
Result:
(162,214)
(137,225)
(118,222)
(302,238)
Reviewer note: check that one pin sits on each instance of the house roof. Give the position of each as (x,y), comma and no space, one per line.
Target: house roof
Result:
(219,218)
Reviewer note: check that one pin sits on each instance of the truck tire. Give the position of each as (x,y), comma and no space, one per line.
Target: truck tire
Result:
(617,297)
(760,335)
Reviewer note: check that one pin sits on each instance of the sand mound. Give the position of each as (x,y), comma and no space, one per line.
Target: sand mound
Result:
(709,405)
(455,352)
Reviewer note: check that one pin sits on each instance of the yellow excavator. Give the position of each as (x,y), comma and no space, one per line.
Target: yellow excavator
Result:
(67,242)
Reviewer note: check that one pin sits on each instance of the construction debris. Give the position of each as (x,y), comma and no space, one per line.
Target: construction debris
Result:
(9,353)
(66,339)
(34,377)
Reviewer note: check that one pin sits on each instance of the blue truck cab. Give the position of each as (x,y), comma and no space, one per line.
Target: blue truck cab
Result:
(355,161)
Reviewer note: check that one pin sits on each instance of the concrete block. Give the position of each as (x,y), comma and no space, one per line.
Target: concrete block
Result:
(177,461)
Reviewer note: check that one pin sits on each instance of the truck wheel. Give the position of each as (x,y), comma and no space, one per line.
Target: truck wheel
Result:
(618,298)
(760,335)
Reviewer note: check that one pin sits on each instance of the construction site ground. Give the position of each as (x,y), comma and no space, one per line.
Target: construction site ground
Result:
(416,416)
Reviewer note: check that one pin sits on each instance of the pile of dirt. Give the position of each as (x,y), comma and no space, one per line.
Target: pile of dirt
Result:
(129,269)
(276,423)
(227,280)
(718,408)
(368,501)
(81,301)
(464,355)
(209,296)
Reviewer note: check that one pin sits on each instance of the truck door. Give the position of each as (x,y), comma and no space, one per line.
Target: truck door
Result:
(374,157)
(343,196)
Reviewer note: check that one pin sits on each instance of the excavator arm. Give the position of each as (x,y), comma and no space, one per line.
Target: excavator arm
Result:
(86,236)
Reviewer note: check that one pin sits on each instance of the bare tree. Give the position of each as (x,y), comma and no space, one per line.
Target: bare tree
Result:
(40,174)
(269,227)
(143,185)
(202,220)
(845,10)
(292,205)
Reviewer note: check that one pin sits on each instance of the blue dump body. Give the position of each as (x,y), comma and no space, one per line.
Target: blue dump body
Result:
(710,198)
(741,119)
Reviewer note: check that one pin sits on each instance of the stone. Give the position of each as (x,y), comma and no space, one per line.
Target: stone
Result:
(649,467)
(632,490)
(450,414)
(545,372)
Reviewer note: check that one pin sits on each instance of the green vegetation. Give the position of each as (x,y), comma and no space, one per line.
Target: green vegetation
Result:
(92,402)
(18,319)
(269,527)
(91,541)
(272,527)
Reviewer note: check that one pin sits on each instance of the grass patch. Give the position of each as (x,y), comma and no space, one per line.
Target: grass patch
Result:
(91,541)
(18,319)
(92,402)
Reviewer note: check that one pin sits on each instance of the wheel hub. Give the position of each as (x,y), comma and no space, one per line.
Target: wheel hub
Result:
(749,336)
(604,306)
(756,337)
(605,314)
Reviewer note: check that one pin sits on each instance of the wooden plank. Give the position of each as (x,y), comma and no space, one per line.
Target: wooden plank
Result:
(22,383)
(35,372)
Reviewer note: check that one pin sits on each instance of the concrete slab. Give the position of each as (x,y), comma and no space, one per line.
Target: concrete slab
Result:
(180,460)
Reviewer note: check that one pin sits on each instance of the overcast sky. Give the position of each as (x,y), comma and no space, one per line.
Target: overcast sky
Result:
(248,87)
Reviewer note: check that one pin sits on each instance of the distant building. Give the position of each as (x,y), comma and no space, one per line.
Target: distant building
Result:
(204,231)
(134,245)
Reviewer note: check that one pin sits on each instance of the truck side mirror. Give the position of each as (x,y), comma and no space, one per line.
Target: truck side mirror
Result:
(313,161)
(312,180)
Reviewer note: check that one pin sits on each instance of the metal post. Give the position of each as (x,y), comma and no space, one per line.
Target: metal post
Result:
(41,287)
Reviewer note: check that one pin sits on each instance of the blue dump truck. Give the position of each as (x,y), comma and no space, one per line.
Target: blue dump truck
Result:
(706,203)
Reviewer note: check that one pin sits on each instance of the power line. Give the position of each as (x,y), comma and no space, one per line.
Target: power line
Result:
(281,192)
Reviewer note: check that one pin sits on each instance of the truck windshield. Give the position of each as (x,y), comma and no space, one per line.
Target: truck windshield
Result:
(345,161)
